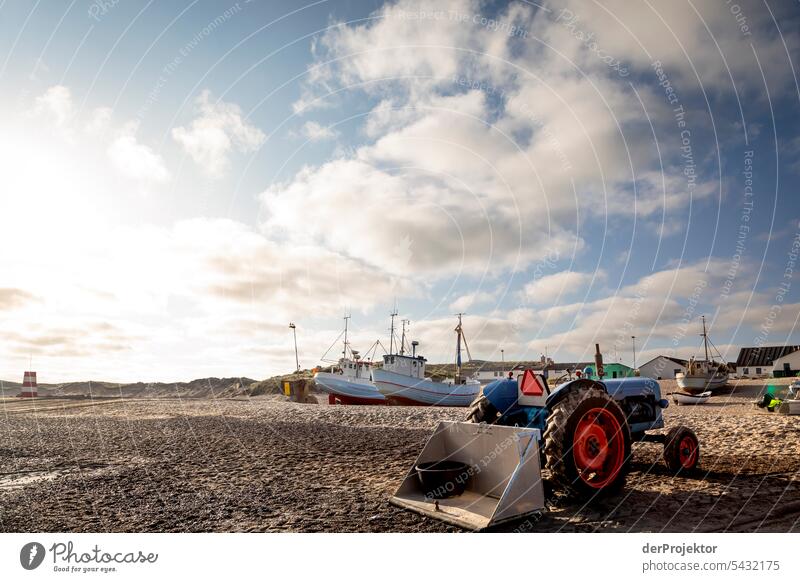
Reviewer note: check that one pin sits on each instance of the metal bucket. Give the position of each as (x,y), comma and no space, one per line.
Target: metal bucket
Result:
(441,479)
(503,477)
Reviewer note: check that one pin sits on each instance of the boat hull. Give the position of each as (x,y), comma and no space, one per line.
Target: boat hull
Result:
(789,407)
(348,390)
(409,391)
(695,383)
(681,398)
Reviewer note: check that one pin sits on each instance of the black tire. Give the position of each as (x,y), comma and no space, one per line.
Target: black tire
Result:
(481,410)
(677,455)
(559,444)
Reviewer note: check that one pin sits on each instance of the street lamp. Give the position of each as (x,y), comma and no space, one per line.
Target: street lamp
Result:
(293,327)
(633,341)
(503,361)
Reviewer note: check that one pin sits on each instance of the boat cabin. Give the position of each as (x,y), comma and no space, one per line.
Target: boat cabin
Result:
(351,369)
(413,366)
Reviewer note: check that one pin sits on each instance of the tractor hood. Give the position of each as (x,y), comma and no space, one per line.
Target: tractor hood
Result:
(618,388)
(502,394)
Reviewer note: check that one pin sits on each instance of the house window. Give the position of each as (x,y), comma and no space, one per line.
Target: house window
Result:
(787,367)
(745,371)
(758,371)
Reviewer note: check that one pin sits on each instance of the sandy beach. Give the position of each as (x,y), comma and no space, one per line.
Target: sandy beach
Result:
(265,464)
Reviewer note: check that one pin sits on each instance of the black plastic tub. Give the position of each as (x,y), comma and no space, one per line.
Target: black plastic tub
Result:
(441,479)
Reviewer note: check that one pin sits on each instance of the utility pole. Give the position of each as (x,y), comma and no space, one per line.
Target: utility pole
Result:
(633,341)
(503,361)
(293,327)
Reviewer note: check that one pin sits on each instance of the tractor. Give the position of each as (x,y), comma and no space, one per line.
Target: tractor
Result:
(587,426)
(485,471)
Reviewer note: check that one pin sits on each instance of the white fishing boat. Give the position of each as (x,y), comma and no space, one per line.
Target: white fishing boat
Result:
(789,407)
(349,381)
(791,404)
(703,375)
(685,398)
(402,378)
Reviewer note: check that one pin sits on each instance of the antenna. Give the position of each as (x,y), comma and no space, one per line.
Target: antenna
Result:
(346,320)
(459,336)
(404,322)
(705,337)
(393,314)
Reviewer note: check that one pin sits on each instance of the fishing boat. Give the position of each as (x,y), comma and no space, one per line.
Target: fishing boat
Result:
(791,404)
(789,407)
(402,378)
(685,398)
(703,375)
(349,381)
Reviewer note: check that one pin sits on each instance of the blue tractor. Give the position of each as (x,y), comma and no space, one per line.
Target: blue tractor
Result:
(587,426)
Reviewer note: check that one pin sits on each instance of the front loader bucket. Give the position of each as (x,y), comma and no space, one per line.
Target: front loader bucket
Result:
(504,481)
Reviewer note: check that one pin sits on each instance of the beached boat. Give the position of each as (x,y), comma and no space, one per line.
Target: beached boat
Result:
(402,379)
(703,375)
(789,407)
(349,381)
(685,398)
(345,388)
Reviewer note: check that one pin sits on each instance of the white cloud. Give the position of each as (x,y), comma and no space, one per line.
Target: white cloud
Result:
(466,301)
(216,283)
(53,111)
(406,224)
(316,132)
(482,161)
(551,288)
(683,36)
(661,309)
(56,103)
(99,121)
(219,130)
(135,160)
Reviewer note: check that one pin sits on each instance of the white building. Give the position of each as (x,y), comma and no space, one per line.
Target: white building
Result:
(760,362)
(555,370)
(486,375)
(663,368)
(787,365)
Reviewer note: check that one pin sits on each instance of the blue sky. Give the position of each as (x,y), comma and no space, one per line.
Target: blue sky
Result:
(183,179)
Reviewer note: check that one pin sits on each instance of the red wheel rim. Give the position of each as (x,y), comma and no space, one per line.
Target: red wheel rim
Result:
(598,447)
(687,452)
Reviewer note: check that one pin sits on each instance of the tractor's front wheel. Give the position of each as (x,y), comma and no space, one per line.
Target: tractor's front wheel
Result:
(587,443)
(681,449)
(481,410)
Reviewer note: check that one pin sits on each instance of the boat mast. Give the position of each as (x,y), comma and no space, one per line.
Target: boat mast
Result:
(403,336)
(458,348)
(393,314)
(705,337)
(344,350)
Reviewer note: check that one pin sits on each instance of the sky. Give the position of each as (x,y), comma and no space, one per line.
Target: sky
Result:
(181,180)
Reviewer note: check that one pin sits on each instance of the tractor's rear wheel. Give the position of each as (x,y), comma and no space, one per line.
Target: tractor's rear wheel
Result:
(481,410)
(681,450)
(587,443)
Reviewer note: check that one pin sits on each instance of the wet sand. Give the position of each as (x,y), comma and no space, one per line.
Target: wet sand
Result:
(263,464)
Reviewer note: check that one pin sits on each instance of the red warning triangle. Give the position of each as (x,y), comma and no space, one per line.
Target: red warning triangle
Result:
(531,385)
